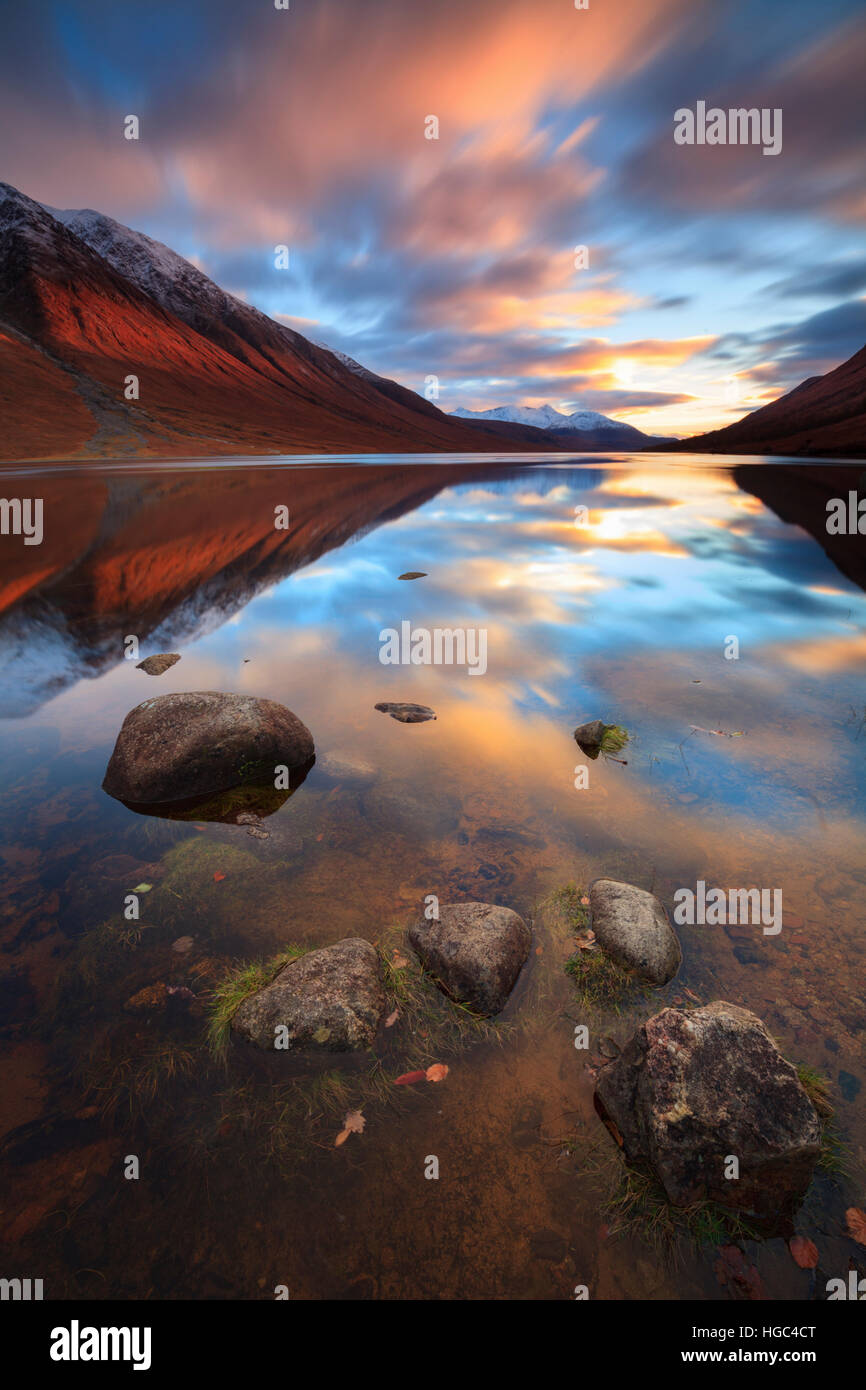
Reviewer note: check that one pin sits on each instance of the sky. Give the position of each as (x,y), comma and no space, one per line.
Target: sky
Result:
(718,277)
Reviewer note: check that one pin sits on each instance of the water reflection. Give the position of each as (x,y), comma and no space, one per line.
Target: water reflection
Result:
(608,590)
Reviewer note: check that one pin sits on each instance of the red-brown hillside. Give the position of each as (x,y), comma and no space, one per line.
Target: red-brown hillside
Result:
(215,376)
(824,416)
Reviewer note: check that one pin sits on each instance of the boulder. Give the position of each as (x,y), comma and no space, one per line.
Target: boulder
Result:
(186,745)
(632,926)
(695,1087)
(475,951)
(329,1000)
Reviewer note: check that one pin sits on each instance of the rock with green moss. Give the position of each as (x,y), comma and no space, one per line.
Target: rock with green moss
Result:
(329,1000)
(194,743)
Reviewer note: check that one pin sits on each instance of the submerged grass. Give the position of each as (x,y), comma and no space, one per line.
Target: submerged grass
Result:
(240,982)
(599,981)
(834,1159)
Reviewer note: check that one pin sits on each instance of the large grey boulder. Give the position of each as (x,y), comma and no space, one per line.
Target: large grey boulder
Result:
(331,1000)
(694,1089)
(475,951)
(632,926)
(193,743)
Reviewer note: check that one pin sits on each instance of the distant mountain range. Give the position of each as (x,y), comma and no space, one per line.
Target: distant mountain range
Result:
(585,429)
(825,416)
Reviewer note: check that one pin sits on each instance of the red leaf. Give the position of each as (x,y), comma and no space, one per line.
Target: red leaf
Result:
(218,878)
(804,1252)
(410,1077)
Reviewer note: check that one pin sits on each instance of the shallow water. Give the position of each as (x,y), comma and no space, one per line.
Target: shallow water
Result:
(626,615)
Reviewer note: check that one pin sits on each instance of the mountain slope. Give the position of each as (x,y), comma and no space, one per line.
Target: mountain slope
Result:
(100,303)
(823,416)
(583,428)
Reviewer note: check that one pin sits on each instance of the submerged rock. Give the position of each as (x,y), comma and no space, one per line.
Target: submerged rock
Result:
(331,1000)
(406,713)
(632,926)
(157,664)
(692,1089)
(475,951)
(190,744)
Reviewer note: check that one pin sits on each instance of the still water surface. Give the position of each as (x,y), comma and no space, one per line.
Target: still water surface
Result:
(625,616)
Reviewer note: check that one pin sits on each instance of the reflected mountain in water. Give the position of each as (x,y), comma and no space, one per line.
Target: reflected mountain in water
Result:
(171,555)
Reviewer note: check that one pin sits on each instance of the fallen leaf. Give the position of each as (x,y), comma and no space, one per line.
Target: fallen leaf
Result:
(539,950)
(804,1252)
(410,1077)
(142,888)
(218,877)
(399,961)
(341,1137)
(693,997)
(856,1224)
(392,1019)
(437,1072)
(586,942)
(355,1122)
(584,902)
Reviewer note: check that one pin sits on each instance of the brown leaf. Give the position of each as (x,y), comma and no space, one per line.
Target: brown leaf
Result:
(804,1252)
(341,1137)
(694,998)
(392,1019)
(437,1072)
(398,960)
(856,1224)
(354,1122)
(409,1078)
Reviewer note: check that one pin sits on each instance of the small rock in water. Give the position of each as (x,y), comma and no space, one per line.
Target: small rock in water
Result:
(413,574)
(182,945)
(258,833)
(330,999)
(692,1087)
(589,736)
(155,665)
(475,950)
(407,713)
(632,926)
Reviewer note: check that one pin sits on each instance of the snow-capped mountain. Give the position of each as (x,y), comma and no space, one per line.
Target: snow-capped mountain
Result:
(589,427)
(544,417)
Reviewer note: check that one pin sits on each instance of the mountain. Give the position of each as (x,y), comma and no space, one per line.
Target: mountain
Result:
(86,303)
(823,416)
(583,428)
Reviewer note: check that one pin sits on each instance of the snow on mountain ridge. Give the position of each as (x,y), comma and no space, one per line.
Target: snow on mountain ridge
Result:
(543,417)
